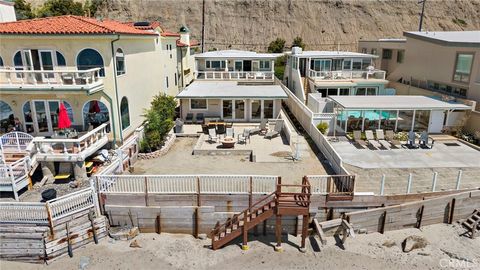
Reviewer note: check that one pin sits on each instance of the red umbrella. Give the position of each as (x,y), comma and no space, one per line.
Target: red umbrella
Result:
(63,119)
(94,107)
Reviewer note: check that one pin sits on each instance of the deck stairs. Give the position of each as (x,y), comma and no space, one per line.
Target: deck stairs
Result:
(277,203)
(472,224)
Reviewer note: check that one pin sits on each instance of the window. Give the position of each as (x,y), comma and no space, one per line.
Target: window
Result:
(463,67)
(357,64)
(60,59)
(267,109)
(238,65)
(374,51)
(387,54)
(227,109)
(215,64)
(198,104)
(7,118)
(364,50)
(322,65)
(90,58)
(366,62)
(256,109)
(166,81)
(445,88)
(347,64)
(265,65)
(120,62)
(175,76)
(400,56)
(1,62)
(124,113)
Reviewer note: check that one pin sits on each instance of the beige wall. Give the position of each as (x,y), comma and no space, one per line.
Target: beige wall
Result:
(147,64)
(389,65)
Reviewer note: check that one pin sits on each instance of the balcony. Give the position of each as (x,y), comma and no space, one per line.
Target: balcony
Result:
(236,75)
(59,149)
(61,78)
(347,75)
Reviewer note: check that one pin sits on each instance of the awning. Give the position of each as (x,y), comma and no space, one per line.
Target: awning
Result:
(231,89)
(395,103)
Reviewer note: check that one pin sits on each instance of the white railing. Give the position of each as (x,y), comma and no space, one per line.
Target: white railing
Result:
(348,74)
(235,75)
(15,141)
(81,147)
(323,116)
(13,177)
(187,184)
(331,184)
(45,213)
(25,212)
(61,76)
(72,203)
(319,183)
(305,116)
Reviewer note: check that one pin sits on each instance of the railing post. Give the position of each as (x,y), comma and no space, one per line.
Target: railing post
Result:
(409,185)
(250,193)
(50,219)
(459,178)
(434,181)
(382,185)
(95,198)
(18,142)
(146,190)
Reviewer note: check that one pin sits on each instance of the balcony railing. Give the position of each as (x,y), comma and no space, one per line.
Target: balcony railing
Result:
(59,78)
(348,74)
(236,75)
(71,149)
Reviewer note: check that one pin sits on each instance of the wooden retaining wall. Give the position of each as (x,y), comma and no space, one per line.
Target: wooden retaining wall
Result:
(443,209)
(23,242)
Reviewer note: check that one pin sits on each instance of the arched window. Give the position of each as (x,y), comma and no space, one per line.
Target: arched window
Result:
(17,60)
(95,113)
(120,62)
(6,117)
(1,62)
(124,113)
(89,58)
(60,59)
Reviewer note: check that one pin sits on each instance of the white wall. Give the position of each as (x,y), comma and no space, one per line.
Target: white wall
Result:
(7,12)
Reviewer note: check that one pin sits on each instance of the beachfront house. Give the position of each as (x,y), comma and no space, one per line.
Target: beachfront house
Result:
(233,85)
(333,73)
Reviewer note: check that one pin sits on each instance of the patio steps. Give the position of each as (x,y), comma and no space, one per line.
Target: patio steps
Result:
(472,224)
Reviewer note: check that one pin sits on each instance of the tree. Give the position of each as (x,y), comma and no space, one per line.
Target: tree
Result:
(60,7)
(159,119)
(276,46)
(23,10)
(298,42)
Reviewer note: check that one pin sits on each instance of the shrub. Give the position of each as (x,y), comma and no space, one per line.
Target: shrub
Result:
(159,119)
(322,127)
(276,46)
(298,42)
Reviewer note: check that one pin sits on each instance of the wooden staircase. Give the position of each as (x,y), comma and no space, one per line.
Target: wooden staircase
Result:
(277,203)
(473,223)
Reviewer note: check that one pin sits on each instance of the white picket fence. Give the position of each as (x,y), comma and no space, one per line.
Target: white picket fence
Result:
(15,141)
(187,184)
(50,211)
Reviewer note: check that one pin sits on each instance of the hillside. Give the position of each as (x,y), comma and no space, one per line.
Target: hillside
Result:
(323,24)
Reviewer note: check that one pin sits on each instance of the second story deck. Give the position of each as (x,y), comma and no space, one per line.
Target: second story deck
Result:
(235,65)
(59,78)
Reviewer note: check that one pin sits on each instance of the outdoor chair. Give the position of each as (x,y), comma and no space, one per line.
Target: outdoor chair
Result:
(390,137)
(411,140)
(220,128)
(261,128)
(244,136)
(424,141)
(371,139)
(357,138)
(212,135)
(200,118)
(230,133)
(276,130)
(381,138)
(205,129)
(189,118)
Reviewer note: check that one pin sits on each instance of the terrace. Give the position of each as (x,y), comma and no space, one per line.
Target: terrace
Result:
(60,78)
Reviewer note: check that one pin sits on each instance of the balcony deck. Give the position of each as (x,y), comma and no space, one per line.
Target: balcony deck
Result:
(64,79)
(71,149)
(236,75)
(346,75)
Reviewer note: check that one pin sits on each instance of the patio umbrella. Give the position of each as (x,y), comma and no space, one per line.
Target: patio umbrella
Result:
(63,119)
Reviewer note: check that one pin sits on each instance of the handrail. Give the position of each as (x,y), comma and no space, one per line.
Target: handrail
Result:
(83,137)
(235,75)
(6,70)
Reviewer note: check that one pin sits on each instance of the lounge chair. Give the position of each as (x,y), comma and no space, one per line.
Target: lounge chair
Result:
(212,135)
(244,136)
(220,128)
(261,128)
(276,130)
(390,137)
(357,137)
(200,118)
(381,138)
(411,140)
(371,139)
(230,133)
(424,140)
(189,118)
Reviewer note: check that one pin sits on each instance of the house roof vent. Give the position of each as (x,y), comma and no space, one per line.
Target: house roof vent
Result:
(296,50)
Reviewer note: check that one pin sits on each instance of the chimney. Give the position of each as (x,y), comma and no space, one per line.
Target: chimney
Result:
(296,50)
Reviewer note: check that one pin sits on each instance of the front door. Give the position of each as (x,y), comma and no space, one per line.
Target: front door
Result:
(41,116)
(46,63)
(247,65)
(435,125)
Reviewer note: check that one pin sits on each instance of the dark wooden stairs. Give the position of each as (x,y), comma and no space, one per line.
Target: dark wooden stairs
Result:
(472,224)
(284,201)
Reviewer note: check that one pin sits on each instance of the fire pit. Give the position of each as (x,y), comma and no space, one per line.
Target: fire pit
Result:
(228,142)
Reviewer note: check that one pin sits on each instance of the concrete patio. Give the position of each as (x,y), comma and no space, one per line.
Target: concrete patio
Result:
(440,156)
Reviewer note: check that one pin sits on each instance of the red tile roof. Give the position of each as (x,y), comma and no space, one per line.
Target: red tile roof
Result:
(193,42)
(69,25)
(169,34)
(151,25)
